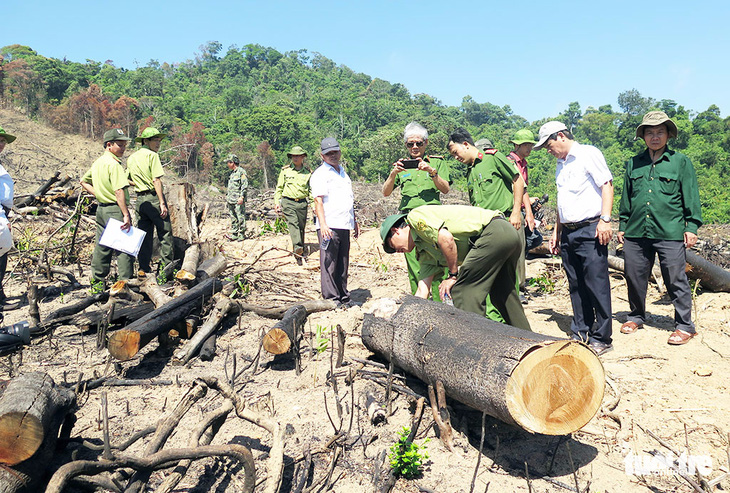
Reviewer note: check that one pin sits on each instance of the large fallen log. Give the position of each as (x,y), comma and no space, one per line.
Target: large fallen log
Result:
(183,216)
(124,314)
(27,200)
(537,382)
(212,267)
(32,409)
(125,343)
(618,264)
(278,312)
(223,306)
(711,276)
(189,264)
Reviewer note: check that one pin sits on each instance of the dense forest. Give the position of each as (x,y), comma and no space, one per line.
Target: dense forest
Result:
(257,102)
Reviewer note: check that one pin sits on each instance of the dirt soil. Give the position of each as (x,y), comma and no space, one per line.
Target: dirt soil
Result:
(678,393)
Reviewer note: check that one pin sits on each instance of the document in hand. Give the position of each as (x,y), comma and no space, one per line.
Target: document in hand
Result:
(127,242)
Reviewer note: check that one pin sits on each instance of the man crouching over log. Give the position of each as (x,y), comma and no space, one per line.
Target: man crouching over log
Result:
(479,247)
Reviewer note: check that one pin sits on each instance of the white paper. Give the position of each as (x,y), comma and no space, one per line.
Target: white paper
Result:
(127,242)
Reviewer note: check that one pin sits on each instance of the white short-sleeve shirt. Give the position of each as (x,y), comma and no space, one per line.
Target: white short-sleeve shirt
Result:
(579,177)
(335,188)
(6,192)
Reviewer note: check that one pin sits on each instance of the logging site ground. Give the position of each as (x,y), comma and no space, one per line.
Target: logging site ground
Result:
(658,396)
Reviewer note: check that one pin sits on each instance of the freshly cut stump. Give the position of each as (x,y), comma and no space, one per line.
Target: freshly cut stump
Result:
(540,383)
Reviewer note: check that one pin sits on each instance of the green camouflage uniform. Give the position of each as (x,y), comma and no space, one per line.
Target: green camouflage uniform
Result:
(237,185)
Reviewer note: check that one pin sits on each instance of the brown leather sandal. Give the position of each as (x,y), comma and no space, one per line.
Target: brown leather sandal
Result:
(630,327)
(680,337)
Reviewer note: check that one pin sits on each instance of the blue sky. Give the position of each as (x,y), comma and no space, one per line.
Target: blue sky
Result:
(536,57)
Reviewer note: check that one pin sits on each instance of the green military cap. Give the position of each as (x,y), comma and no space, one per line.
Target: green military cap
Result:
(150,132)
(523,136)
(654,118)
(296,151)
(8,138)
(232,158)
(114,134)
(385,228)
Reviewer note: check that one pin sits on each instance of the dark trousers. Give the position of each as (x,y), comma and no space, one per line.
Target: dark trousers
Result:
(333,265)
(3,269)
(490,268)
(585,262)
(149,221)
(639,260)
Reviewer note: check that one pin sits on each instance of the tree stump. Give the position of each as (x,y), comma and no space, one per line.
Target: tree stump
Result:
(537,382)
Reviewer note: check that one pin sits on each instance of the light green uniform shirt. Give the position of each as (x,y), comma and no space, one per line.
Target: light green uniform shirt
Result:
(417,187)
(237,185)
(107,175)
(462,221)
(293,184)
(489,181)
(143,167)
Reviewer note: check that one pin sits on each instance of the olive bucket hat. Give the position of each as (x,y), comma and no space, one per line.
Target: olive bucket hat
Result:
(8,138)
(654,118)
(385,228)
(148,133)
(523,136)
(296,151)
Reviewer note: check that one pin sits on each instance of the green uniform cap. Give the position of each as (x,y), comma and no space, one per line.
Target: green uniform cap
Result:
(8,138)
(523,136)
(114,134)
(389,222)
(148,133)
(296,151)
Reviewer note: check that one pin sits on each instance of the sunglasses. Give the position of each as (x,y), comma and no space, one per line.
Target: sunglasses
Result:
(417,144)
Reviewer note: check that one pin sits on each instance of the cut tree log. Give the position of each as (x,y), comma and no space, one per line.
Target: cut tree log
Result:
(153,290)
(32,410)
(183,216)
(189,264)
(711,276)
(125,343)
(212,267)
(537,382)
(278,312)
(120,290)
(286,333)
(27,200)
(223,306)
(618,264)
(124,313)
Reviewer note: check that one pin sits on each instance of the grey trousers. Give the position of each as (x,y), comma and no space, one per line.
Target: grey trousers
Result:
(334,264)
(639,259)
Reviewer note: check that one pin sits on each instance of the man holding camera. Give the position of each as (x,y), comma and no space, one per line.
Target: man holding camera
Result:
(421,179)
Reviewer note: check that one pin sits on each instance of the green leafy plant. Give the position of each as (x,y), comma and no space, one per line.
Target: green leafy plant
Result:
(278,226)
(406,458)
(543,282)
(321,338)
(379,265)
(96,287)
(242,287)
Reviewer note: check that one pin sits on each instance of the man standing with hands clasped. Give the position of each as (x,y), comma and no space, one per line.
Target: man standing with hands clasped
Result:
(107,181)
(334,206)
(145,171)
(660,213)
(582,231)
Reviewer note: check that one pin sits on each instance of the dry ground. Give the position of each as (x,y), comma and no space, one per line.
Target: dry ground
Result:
(679,393)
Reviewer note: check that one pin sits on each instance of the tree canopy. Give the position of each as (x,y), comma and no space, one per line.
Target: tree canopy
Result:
(235,101)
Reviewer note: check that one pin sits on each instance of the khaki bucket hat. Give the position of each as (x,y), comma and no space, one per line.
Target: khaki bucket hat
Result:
(654,118)
(296,151)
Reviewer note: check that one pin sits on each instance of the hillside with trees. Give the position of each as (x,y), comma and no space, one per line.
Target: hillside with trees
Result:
(257,102)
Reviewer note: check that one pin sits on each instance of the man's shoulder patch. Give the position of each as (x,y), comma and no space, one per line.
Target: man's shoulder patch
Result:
(435,157)
(419,225)
(490,151)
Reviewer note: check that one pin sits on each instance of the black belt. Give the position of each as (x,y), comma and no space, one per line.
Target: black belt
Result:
(296,200)
(581,223)
(107,205)
(146,192)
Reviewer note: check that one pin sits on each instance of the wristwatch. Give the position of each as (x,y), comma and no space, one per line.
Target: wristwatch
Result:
(453,274)
(433,174)
(606,219)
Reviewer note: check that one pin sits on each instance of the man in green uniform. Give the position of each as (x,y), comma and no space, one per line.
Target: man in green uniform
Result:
(290,198)
(107,181)
(494,183)
(659,214)
(236,198)
(418,186)
(477,246)
(144,169)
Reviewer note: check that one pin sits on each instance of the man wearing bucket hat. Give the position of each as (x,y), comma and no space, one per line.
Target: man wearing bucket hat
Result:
(107,181)
(523,142)
(290,198)
(421,186)
(660,214)
(6,200)
(478,247)
(582,231)
(334,206)
(236,198)
(145,171)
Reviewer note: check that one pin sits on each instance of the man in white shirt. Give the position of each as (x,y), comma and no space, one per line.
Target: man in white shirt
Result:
(6,203)
(582,231)
(334,206)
